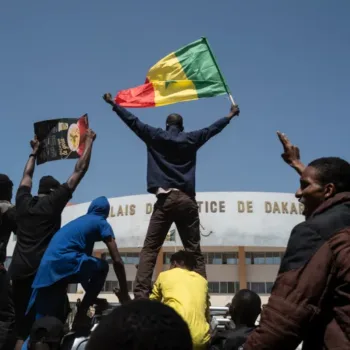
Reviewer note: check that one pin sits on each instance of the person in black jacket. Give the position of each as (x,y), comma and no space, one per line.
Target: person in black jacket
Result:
(7,226)
(244,311)
(172,155)
(38,219)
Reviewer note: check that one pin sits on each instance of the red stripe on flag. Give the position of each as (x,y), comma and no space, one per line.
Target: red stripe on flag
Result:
(138,97)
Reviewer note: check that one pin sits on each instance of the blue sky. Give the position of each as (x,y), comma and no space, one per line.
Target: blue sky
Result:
(286,62)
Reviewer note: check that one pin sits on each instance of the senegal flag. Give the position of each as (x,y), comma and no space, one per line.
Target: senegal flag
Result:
(187,74)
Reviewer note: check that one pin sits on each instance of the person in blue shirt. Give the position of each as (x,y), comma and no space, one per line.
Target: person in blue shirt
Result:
(68,259)
(171,168)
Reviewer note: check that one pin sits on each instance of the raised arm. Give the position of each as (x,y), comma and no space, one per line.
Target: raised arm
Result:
(291,153)
(200,137)
(119,269)
(27,179)
(83,162)
(144,131)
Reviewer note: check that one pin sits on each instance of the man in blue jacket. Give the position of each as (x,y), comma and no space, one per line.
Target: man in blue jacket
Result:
(68,259)
(171,171)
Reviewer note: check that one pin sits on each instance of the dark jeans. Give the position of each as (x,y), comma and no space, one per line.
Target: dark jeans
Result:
(182,209)
(22,291)
(7,313)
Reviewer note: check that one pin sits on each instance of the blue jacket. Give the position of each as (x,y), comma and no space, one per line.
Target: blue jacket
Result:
(171,153)
(72,246)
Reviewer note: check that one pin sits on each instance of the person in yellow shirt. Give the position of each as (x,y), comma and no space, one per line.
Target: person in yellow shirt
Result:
(186,292)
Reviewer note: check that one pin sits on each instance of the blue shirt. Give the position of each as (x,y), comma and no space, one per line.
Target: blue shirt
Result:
(172,153)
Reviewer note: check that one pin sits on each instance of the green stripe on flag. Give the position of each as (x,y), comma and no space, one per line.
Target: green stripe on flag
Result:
(199,66)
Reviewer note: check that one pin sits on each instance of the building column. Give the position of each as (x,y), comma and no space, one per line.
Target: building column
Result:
(242,273)
(159,264)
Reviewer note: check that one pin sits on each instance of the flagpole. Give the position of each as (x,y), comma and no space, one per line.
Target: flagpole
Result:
(221,76)
(231,99)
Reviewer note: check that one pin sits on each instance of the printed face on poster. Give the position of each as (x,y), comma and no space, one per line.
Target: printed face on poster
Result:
(61,138)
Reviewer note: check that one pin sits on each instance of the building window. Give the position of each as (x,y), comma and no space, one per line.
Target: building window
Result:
(273,258)
(223,287)
(260,287)
(225,258)
(261,258)
(128,258)
(230,258)
(110,285)
(269,286)
(132,258)
(214,287)
(166,258)
(258,258)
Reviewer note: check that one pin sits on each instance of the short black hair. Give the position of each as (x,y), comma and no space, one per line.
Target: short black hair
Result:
(333,170)
(245,307)
(6,186)
(47,184)
(184,258)
(175,119)
(141,325)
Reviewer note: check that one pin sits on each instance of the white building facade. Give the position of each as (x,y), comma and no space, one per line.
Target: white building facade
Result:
(243,238)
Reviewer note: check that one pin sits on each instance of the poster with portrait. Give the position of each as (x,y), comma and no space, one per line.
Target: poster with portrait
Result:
(61,138)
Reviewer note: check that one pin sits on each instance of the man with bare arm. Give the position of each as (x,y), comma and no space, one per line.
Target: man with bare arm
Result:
(38,219)
(291,154)
(310,299)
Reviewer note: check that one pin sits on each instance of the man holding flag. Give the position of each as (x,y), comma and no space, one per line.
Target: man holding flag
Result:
(187,74)
(171,177)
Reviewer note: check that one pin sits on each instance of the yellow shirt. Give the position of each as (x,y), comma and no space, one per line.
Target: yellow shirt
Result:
(187,293)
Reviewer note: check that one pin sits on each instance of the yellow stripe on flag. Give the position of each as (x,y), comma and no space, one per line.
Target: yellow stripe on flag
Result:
(175,91)
(168,68)
(170,82)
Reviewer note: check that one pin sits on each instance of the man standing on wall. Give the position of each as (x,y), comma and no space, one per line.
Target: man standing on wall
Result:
(171,170)
(38,219)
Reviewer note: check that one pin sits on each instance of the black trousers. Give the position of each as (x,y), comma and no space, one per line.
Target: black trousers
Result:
(22,291)
(171,207)
(7,313)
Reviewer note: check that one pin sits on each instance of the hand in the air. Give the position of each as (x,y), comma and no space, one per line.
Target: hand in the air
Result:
(35,144)
(291,153)
(90,134)
(122,298)
(108,98)
(234,111)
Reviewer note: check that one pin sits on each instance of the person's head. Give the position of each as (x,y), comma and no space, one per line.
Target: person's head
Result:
(176,120)
(245,308)
(322,179)
(183,259)
(99,206)
(46,334)
(141,325)
(6,187)
(48,184)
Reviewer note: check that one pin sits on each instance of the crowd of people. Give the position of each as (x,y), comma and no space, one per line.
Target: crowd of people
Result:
(309,303)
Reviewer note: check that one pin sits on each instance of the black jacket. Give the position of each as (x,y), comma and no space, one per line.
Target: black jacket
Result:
(231,339)
(171,153)
(7,226)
